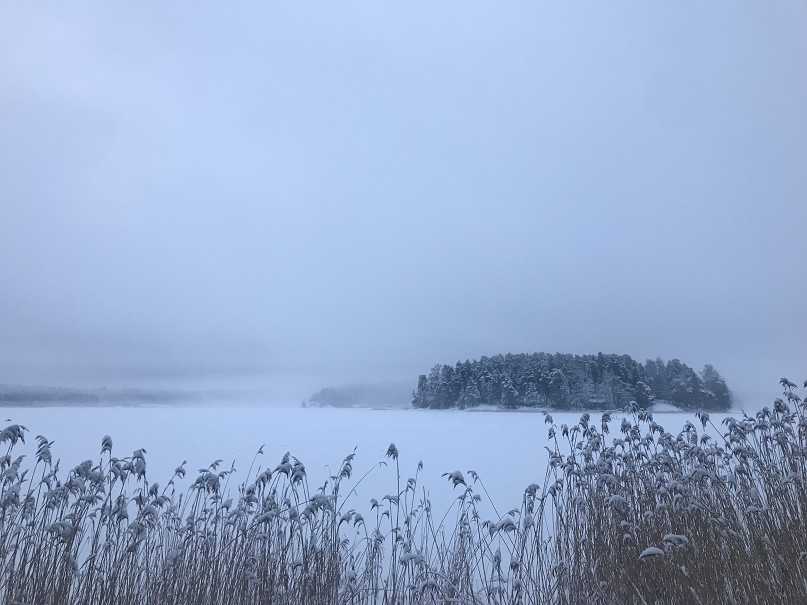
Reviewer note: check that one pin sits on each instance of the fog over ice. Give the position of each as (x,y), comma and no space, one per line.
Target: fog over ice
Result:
(284,196)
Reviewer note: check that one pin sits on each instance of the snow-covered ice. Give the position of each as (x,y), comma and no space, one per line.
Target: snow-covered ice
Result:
(506,449)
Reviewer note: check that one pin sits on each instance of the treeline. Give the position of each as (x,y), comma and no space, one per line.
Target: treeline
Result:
(385,395)
(570,382)
(30,396)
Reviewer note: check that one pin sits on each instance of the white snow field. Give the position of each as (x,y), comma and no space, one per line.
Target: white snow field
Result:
(506,449)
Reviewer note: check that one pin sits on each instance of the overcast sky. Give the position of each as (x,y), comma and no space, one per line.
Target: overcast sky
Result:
(288,195)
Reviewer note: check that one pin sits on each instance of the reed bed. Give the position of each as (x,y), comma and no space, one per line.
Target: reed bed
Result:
(651,518)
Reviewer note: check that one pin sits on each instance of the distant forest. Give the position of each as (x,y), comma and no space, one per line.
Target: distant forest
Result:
(386,395)
(570,382)
(13,395)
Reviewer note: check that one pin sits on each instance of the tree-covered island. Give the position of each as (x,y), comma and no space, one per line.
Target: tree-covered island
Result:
(570,382)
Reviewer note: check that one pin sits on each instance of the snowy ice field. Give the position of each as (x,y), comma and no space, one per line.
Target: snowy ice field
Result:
(506,449)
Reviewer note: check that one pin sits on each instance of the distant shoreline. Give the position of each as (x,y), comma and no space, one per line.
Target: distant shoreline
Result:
(47,396)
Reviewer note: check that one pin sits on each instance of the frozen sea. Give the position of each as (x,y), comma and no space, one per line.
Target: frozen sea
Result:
(506,449)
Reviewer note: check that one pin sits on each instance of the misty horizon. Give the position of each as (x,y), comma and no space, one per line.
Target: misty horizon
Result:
(389,393)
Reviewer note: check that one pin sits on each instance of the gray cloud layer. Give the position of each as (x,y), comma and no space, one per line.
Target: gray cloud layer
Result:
(286,195)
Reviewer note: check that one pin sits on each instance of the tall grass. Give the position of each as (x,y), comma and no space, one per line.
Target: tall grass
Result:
(651,518)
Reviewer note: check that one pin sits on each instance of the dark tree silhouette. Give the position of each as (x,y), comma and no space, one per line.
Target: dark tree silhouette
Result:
(601,381)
